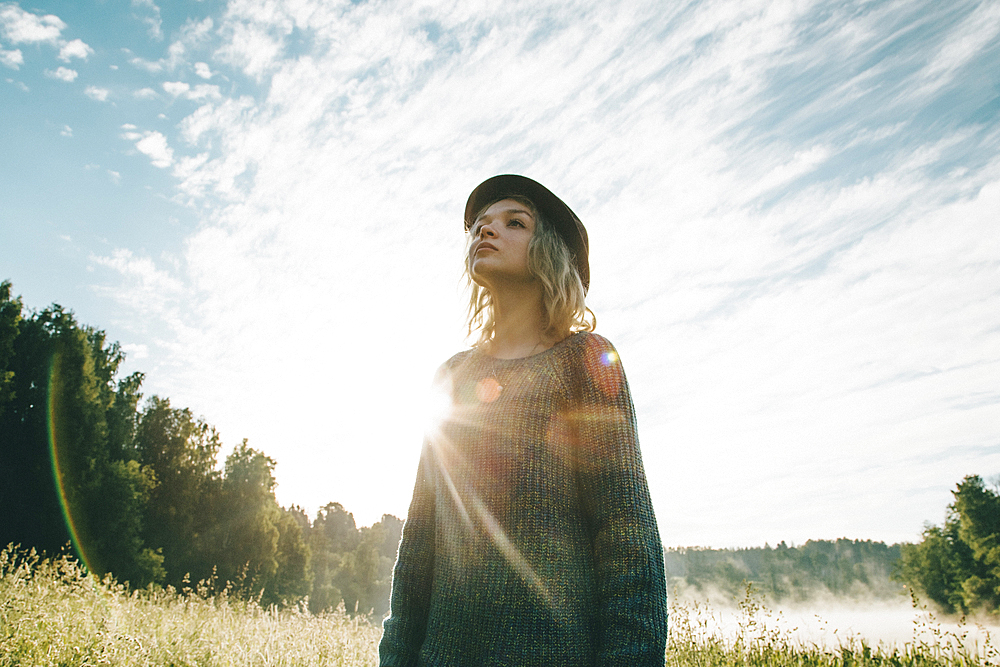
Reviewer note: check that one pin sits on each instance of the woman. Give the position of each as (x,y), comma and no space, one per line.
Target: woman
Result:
(530,539)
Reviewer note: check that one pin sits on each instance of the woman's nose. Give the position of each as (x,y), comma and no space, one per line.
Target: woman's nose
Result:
(487,230)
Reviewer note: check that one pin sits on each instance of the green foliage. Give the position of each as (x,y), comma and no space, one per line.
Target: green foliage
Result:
(958,565)
(10,317)
(142,489)
(63,391)
(352,565)
(849,568)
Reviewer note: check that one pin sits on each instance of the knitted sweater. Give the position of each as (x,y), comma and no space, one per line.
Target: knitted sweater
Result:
(530,539)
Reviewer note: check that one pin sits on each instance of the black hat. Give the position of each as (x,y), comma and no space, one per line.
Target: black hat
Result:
(566,224)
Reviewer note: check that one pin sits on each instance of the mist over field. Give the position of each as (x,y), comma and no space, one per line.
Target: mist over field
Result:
(830,622)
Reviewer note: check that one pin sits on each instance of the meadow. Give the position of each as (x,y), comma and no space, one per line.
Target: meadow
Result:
(52,613)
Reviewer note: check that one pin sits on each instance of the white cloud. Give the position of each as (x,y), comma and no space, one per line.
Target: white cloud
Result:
(75,49)
(145,94)
(20,26)
(192,34)
(152,18)
(63,74)
(801,303)
(176,88)
(154,145)
(200,92)
(965,42)
(95,93)
(173,59)
(149,288)
(202,70)
(253,48)
(66,131)
(12,59)
(19,84)
(115,176)
(196,32)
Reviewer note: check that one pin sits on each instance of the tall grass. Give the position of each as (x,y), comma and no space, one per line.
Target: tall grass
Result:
(52,613)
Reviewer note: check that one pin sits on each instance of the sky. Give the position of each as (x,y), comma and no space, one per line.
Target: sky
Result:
(792,208)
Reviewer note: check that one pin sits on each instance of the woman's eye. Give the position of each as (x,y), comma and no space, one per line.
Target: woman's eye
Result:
(516,222)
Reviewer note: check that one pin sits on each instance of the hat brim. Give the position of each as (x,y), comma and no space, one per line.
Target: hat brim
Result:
(565,221)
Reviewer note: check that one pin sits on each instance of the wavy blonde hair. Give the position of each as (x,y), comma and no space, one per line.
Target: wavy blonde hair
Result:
(551,262)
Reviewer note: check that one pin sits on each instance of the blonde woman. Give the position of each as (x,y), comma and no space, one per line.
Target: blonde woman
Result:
(530,539)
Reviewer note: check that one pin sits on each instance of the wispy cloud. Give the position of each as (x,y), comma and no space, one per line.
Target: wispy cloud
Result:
(151,18)
(173,59)
(968,41)
(792,249)
(66,131)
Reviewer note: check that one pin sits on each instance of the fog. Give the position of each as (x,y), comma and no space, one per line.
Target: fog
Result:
(831,622)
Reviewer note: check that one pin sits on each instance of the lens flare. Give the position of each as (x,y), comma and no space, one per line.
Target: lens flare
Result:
(488,390)
(53,412)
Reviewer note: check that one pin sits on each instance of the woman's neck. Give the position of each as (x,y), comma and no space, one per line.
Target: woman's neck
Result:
(519,323)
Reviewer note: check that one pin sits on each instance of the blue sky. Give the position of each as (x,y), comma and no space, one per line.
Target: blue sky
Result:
(791,204)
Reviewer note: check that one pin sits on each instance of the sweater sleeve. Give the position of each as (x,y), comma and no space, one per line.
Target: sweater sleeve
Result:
(404,630)
(628,555)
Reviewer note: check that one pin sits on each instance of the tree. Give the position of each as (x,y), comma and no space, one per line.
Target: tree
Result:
(246,534)
(291,581)
(10,318)
(958,565)
(184,506)
(58,459)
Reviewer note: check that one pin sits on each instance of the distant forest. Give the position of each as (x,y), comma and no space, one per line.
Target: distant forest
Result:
(136,485)
(843,568)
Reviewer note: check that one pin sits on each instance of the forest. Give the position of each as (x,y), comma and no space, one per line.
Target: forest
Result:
(135,485)
(842,568)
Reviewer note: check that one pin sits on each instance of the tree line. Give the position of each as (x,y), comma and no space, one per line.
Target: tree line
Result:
(845,568)
(955,565)
(136,486)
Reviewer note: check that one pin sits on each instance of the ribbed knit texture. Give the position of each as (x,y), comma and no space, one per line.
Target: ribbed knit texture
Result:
(530,539)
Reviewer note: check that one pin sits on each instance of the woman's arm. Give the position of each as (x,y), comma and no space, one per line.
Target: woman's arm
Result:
(403,631)
(628,555)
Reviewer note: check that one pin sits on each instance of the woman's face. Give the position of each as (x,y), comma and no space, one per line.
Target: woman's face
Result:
(499,249)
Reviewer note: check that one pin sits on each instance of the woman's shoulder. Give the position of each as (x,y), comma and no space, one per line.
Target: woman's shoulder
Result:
(588,343)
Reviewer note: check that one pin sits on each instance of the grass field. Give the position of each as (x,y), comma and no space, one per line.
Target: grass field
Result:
(52,613)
